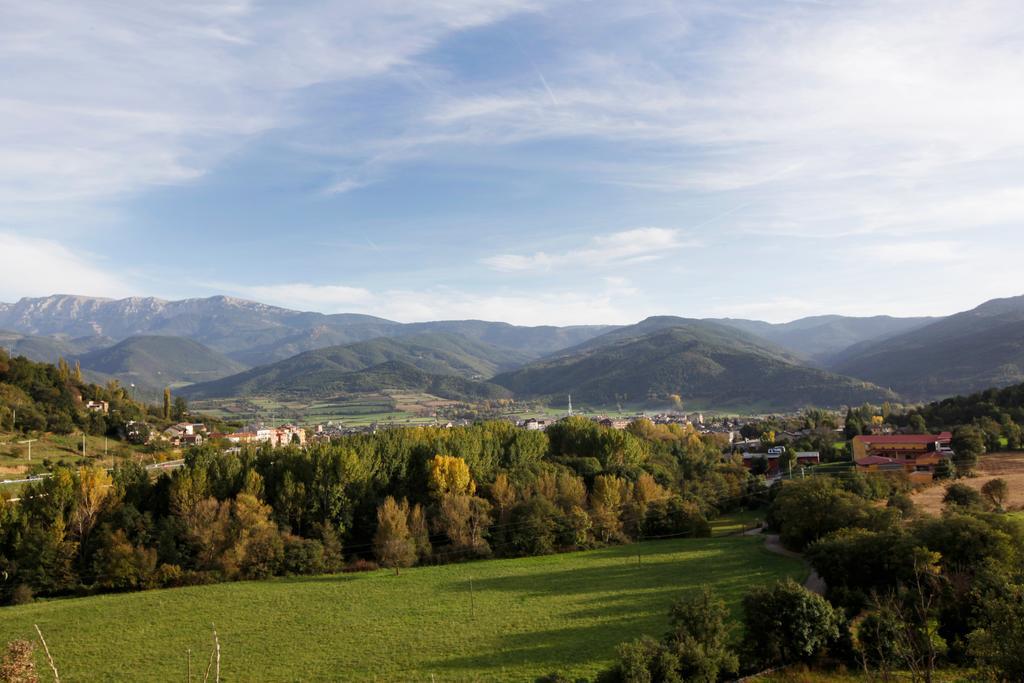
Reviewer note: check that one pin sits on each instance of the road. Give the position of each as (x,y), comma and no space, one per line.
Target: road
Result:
(814,582)
(163,466)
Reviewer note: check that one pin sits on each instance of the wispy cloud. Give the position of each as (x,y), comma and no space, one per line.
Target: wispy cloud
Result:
(102,99)
(625,248)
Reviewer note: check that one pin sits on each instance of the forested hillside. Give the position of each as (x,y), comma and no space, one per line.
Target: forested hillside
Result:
(697,361)
(960,354)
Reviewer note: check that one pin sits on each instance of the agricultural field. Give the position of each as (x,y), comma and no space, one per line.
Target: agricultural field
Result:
(362,410)
(1008,466)
(491,620)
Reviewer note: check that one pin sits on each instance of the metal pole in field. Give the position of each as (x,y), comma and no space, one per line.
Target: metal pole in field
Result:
(188,654)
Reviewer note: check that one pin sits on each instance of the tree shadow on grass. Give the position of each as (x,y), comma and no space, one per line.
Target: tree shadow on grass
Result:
(557,649)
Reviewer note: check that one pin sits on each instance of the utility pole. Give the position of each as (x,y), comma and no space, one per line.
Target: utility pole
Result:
(29,442)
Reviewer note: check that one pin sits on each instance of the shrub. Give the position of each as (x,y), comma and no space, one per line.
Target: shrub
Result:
(303,555)
(21,595)
(360,565)
(962,495)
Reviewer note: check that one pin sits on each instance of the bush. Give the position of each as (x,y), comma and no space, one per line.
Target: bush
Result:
(303,556)
(22,594)
(903,503)
(360,565)
(963,496)
(787,623)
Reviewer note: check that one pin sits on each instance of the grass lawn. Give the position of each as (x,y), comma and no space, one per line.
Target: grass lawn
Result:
(531,616)
(736,522)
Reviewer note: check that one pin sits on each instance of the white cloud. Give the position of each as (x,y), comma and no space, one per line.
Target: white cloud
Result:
(37,267)
(101,99)
(624,248)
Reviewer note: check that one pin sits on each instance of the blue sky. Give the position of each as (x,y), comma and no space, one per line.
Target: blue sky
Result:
(521,160)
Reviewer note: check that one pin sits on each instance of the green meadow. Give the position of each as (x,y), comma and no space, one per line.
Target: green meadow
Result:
(489,620)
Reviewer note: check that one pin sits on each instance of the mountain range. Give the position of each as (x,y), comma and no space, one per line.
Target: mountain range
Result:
(224,347)
(708,363)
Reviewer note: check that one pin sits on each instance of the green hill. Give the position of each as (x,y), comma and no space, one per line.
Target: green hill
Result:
(327,371)
(156,361)
(524,618)
(963,353)
(317,380)
(703,362)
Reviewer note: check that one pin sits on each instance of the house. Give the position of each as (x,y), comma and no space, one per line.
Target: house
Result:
(613,424)
(899,445)
(916,454)
(535,424)
(771,460)
(98,407)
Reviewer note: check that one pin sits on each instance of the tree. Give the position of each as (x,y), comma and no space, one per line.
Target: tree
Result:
(943,470)
(392,543)
(699,637)
(449,475)
(997,644)
(180,410)
(465,521)
(417,521)
(696,647)
(968,444)
(167,403)
(77,374)
(996,491)
(917,424)
(94,487)
(787,623)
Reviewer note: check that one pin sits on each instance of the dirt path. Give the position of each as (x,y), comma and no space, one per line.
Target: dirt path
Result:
(814,583)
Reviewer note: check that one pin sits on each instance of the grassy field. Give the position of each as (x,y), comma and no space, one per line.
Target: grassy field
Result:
(736,522)
(493,620)
(57,448)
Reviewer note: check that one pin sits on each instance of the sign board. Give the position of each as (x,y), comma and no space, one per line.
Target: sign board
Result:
(776,450)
